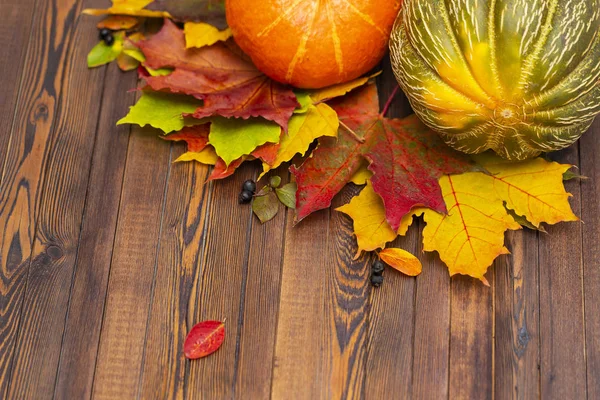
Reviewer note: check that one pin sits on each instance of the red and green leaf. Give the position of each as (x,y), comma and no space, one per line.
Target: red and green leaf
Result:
(229,85)
(406,157)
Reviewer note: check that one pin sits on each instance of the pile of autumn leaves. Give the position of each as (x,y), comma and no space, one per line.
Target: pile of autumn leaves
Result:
(228,112)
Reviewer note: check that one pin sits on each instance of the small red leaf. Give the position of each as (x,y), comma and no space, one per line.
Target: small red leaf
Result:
(205,338)
(196,137)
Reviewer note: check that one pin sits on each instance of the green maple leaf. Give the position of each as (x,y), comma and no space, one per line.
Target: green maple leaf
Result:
(103,54)
(163,111)
(234,138)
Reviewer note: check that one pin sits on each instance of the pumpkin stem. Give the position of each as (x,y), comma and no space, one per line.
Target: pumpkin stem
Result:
(389,102)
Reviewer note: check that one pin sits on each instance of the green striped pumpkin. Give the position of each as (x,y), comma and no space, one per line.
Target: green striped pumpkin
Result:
(519,77)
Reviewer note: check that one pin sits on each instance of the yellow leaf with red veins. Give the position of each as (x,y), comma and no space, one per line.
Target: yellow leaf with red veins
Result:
(199,34)
(471,236)
(318,121)
(402,261)
(480,210)
(532,189)
(370,224)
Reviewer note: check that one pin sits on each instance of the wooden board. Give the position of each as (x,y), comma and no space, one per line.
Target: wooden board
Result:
(109,254)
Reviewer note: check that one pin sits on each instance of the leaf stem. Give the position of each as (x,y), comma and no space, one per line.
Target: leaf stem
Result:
(354,134)
(386,108)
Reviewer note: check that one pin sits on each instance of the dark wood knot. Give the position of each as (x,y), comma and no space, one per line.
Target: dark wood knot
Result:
(54,252)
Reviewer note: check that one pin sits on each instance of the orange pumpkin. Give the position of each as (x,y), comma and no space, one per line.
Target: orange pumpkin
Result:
(313,43)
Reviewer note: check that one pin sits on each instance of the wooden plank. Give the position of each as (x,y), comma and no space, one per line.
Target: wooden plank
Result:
(254,366)
(178,267)
(217,293)
(134,263)
(562,351)
(302,328)
(37,259)
(432,329)
(346,305)
(516,315)
(391,317)
(471,341)
(590,214)
(86,304)
(14,33)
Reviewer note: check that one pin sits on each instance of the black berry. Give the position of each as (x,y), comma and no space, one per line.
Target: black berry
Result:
(378,267)
(249,186)
(245,197)
(376,280)
(104,33)
(109,40)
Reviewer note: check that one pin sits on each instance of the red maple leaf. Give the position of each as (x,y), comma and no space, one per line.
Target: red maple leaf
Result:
(407,160)
(196,137)
(229,85)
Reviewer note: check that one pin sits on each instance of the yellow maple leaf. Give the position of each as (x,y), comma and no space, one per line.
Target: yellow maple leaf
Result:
(533,189)
(200,34)
(318,121)
(402,261)
(361,176)
(370,223)
(128,7)
(471,236)
(340,89)
(206,156)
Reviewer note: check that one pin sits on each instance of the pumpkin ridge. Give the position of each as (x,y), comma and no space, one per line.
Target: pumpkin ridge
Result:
(365,17)
(460,52)
(534,57)
(335,38)
(492,37)
(434,72)
(301,51)
(547,91)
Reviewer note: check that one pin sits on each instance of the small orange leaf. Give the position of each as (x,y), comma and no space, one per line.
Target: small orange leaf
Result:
(205,338)
(402,260)
(118,22)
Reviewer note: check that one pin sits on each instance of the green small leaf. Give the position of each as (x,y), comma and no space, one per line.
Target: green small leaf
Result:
(521,220)
(287,195)
(102,54)
(159,72)
(163,111)
(570,174)
(134,52)
(265,205)
(234,138)
(275,181)
(305,102)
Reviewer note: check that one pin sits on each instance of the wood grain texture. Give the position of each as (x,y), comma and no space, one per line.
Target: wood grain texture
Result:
(562,351)
(217,293)
(301,329)
(258,319)
(432,329)
(109,254)
(40,210)
(134,263)
(516,319)
(471,339)
(88,294)
(346,306)
(178,267)
(17,25)
(590,214)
